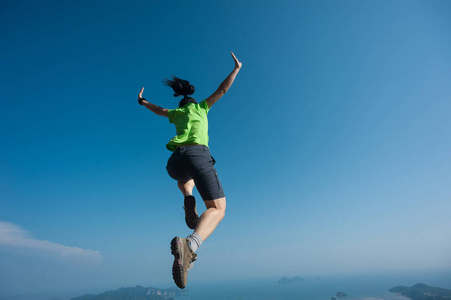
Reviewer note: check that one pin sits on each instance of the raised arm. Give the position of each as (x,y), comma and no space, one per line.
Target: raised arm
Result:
(226,84)
(154,108)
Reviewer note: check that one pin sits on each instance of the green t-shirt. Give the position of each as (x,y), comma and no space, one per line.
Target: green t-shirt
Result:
(191,125)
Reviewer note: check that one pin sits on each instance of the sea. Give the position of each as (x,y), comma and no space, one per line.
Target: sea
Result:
(356,287)
(319,287)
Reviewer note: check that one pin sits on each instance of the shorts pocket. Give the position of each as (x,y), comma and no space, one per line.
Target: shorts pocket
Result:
(217,181)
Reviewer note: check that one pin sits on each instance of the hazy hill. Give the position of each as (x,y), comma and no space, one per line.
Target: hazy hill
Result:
(285,280)
(421,291)
(136,293)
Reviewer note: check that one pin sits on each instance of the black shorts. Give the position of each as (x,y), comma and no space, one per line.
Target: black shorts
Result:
(195,162)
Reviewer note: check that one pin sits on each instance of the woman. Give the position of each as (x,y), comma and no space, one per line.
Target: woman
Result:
(191,164)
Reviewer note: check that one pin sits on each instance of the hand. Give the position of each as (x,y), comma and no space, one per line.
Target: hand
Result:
(140,97)
(238,64)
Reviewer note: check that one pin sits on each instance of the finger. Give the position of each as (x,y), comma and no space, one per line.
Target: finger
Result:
(141,93)
(233,55)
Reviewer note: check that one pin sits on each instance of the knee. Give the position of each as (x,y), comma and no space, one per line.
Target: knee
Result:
(219,213)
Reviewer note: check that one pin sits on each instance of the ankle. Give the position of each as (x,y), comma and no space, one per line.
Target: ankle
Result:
(195,241)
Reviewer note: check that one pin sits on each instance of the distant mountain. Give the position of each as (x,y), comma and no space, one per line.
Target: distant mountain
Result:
(285,280)
(341,295)
(421,291)
(136,293)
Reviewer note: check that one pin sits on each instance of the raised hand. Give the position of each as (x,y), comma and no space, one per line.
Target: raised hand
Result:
(140,97)
(238,64)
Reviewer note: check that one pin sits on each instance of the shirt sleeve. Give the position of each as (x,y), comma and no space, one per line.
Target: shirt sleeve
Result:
(203,104)
(171,114)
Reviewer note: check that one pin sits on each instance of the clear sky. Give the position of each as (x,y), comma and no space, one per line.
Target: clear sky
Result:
(333,145)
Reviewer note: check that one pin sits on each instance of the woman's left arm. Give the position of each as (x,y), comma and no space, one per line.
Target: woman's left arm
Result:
(152,107)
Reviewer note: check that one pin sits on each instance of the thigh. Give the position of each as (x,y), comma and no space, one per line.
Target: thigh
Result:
(176,167)
(208,184)
(201,169)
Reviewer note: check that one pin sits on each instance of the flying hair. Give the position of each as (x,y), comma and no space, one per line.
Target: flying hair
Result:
(181,87)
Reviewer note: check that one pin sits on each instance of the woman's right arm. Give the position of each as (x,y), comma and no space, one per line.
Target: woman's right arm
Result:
(152,107)
(226,84)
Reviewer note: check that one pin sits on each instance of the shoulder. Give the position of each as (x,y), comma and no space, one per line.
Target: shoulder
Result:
(204,105)
(174,113)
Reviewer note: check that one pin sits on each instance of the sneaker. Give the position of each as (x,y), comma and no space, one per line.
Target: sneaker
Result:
(191,217)
(183,260)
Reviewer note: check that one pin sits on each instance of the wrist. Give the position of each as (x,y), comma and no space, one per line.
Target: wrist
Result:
(140,100)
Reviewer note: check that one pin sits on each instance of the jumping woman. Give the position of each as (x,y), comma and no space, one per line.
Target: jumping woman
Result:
(191,164)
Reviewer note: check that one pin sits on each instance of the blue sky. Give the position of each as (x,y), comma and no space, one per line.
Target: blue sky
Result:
(332,145)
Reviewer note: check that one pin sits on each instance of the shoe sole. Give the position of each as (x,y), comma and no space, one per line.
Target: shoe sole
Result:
(191,217)
(177,267)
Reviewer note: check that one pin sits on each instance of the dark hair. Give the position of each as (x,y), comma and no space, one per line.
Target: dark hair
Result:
(181,87)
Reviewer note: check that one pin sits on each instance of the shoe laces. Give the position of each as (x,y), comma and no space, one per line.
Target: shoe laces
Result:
(193,259)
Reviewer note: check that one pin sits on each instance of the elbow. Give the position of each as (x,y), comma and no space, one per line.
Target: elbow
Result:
(222,90)
(163,112)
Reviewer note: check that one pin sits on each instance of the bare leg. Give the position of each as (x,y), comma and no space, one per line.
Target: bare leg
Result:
(211,217)
(186,187)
